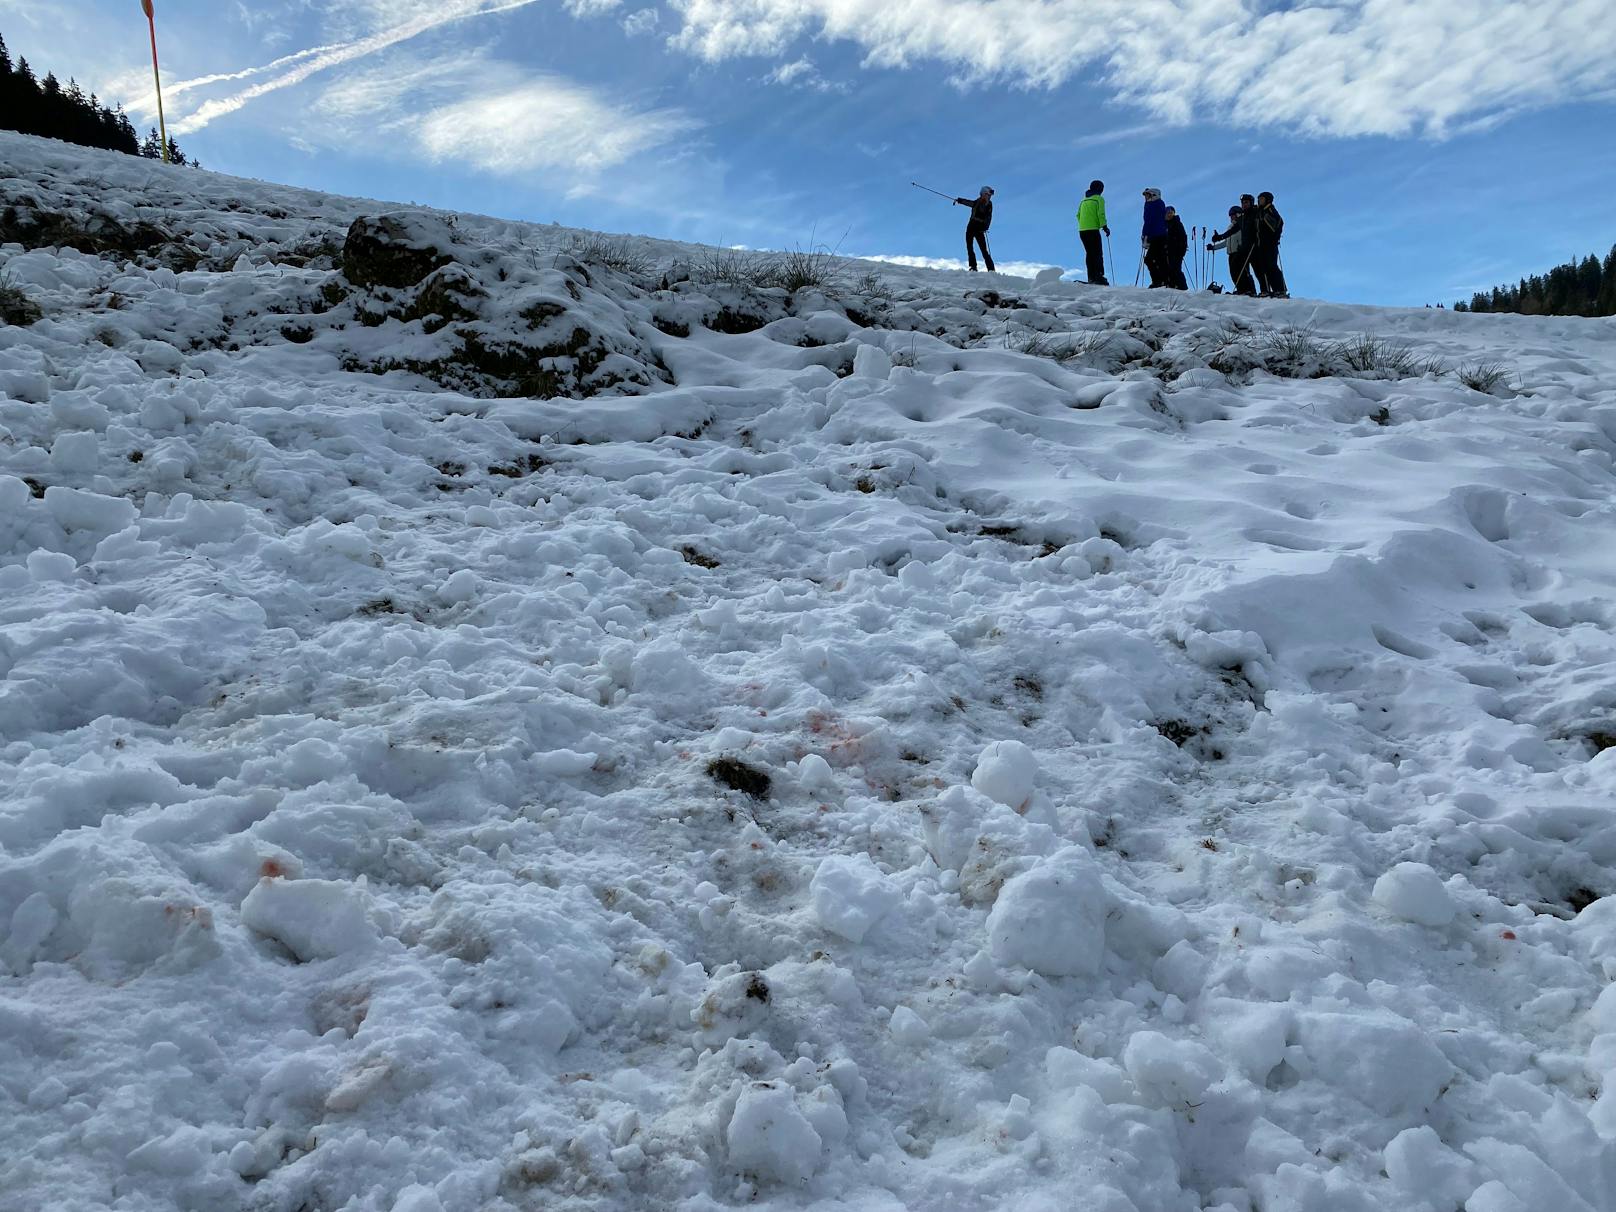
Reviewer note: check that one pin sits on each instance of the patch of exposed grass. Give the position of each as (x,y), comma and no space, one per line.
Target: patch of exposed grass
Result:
(1484,376)
(739,776)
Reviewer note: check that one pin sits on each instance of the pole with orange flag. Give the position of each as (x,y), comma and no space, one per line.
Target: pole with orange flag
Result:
(151,21)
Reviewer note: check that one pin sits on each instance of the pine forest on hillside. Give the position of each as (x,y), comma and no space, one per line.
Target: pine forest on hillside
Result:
(43,107)
(1577,288)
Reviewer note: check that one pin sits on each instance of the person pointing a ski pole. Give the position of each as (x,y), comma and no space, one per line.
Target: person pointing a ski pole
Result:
(976,228)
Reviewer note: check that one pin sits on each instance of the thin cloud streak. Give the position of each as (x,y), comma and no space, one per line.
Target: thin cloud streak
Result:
(317,60)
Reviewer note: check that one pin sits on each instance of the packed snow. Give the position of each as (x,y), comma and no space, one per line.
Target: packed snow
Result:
(493,717)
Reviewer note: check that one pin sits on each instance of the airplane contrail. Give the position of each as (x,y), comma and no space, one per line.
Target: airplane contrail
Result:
(318,59)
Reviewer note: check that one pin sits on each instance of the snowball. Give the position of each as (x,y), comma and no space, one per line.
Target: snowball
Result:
(461,587)
(31,925)
(1414,892)
(417,1198)
(1417,1161)
(814,774)
(1173,1071)
(908,1027)
(79,451)
(872,362)
(769,1137)
(851,894)
(916,577)
(1602,1015)
(664,668)
(1005,772)
(1052,919)
(1252,1034)
(314,919)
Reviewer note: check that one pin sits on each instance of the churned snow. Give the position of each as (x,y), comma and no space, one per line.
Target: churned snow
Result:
(530,724)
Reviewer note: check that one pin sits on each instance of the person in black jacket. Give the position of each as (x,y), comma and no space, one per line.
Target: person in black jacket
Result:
(1178,245)
(1270,226)
(976,229)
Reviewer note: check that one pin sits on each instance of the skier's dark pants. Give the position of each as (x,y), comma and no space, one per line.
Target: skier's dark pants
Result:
(1175,273)
(1266,265)
(1094,256)
(1156,260)
(1240,273)
(977,235)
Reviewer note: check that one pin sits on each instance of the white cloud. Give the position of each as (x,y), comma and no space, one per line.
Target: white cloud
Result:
(641,21)
(801,73)
(1019,269)
(545,122)
(1336,67)
(492,115)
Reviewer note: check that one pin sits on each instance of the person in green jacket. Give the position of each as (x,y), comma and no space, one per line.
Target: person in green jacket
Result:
(1090,223)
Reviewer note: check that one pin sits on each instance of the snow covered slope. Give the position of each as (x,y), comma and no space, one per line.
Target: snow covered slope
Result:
(496,718)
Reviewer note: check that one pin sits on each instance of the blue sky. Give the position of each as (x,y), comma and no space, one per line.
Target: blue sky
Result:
(1419,149)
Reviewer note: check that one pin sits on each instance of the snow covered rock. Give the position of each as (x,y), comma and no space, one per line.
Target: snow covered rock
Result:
(1414,892)
(769,1137)
(1005,772)
(1052,918)
(313,919)
(850,894)
(394,250)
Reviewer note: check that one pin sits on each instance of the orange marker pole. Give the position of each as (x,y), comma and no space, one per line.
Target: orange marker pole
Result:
(157,78)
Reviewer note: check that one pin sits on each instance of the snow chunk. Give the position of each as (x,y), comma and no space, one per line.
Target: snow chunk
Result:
(908,1027)
(76,509)
(1383,1061)
(314,919)
(1173,1071)
(460,587)
(1414,892)
(873,362)
(851,894)
(814,774)
(1005,772)
(1052,919)
(769,1137)
(417,1198)
(1417,1161)
(79,451)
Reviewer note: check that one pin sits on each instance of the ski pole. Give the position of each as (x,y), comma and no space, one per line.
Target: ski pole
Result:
(930,190)
(1108,255)
(1141,267)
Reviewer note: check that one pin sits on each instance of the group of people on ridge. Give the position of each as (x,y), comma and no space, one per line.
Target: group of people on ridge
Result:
(1251,240)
